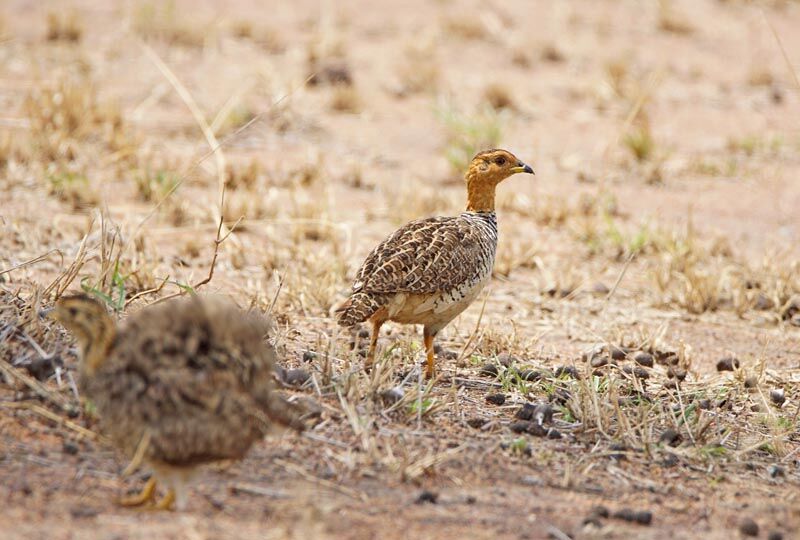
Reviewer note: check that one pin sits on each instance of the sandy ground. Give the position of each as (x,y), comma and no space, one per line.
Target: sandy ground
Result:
(340,167)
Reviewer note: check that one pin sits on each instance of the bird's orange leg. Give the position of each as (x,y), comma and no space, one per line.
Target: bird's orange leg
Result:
(143,497)
(373,343)
(167,502)
(427,339)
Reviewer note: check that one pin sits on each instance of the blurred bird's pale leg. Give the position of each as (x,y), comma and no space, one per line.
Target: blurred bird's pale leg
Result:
(427,338)
(167,501)
(146,495)
(373,343)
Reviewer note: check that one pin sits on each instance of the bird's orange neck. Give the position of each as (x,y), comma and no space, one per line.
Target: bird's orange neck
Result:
(480,191)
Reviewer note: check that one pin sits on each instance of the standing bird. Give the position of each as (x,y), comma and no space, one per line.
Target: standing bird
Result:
(431,269)
(181,384)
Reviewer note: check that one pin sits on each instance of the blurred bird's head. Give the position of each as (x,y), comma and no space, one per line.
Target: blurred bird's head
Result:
(487,169)
(90,323)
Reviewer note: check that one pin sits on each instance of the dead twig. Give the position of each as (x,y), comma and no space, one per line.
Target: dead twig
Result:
(353,493)
(35,260)
(38,388)
(50,415)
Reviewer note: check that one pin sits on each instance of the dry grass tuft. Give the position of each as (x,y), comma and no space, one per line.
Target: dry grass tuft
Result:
(244,177)
(760,76)
(466,27)
(550,52)
(419,69)
(640,141)
(268,39)
(467,134)
(498,96)
(345,99)
(64,26)
(72,188)
(68,112)
(670,20)
(161,21)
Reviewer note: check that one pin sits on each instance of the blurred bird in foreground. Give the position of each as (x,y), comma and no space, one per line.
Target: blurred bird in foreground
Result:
(431,269)
(180,384)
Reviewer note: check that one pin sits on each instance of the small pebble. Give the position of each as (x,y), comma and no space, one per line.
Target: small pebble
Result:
(543,414)
(763,303)
(309,356)
(600,511)
(748,527)
(670,460)
(592,520)
(642,517)
(83,512)
(617,353)
(525,412)
(637,371)
(363,333)
(776,471)
(598,361)
(728,363)
(704,404)
(667,358)
(560,396)
(476,422)
(671,384)
(506,360)
(677,373)
(751,382)
(670,437)
(569,371)
(553,433)
(392,395)
(427,497)
(600,288)
(777,396)
(644,359)
(529,375)
(496,399)
(70,447)
(520,426)
(296,377)
(775,535)
(489,370)
(592,352)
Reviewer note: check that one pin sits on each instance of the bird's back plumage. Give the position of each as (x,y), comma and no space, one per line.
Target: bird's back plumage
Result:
(196,376)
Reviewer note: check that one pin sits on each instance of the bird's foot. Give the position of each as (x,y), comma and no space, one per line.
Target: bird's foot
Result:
(167,502)
(143,497)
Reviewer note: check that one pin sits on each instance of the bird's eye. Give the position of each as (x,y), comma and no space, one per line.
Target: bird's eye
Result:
(73,311)
(500,161)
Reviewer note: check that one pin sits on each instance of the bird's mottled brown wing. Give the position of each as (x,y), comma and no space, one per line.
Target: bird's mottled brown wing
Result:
(425,256)
(195,374)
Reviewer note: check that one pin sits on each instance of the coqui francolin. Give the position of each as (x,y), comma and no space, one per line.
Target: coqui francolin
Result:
(431,269)
(180,384)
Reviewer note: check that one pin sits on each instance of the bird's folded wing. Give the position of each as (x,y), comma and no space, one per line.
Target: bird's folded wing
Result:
(424,256)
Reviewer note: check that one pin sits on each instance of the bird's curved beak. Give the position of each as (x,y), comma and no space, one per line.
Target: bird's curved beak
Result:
(522,167)
(45,313)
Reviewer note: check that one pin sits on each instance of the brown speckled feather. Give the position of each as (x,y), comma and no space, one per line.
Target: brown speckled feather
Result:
(197,375)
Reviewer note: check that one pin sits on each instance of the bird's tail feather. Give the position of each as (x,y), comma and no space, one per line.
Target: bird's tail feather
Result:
(358,308)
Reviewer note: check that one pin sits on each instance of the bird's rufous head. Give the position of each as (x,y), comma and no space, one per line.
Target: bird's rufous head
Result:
(486,170)
(90,323)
